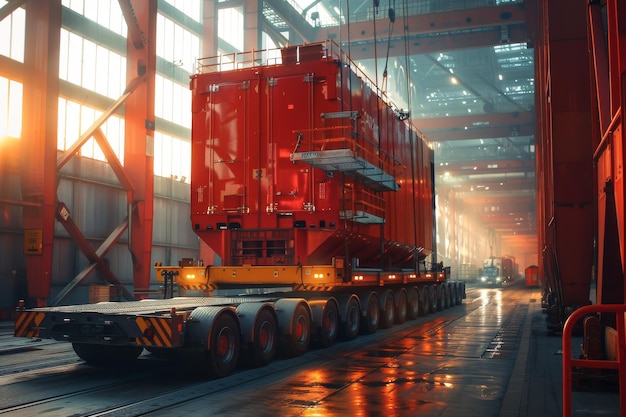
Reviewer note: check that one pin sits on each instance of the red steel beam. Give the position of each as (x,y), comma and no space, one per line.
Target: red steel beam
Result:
(38,143)
(96,257)
(487,167)
(456,20)
(482,132)
(494,200)
(442,42)
(477,120)
(568,187)
(139,138)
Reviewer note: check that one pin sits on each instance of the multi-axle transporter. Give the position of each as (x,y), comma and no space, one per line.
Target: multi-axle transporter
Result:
(316,196)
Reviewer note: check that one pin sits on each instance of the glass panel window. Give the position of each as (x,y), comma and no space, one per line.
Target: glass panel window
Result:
(10,108)
(170,36)
(230,26)
(191,8)
(91,66)
(75,118)
(172,157)
(106,13)
(172,101)
(12,32)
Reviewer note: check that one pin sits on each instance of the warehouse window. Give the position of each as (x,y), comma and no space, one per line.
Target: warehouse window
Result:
(12,34)
(191,8)
(177,45)
(10,108)
(172,101)
(75,118)
(106,13)
(82,62)
(172,157)
(230,27)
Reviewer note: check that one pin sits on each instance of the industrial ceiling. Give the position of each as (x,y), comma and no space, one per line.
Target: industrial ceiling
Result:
(465,71)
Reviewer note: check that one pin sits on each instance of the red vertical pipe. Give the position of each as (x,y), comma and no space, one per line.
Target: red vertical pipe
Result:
(38,142)
(139,140)
(566,170)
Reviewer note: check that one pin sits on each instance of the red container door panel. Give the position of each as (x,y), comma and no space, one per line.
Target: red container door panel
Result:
(290,103)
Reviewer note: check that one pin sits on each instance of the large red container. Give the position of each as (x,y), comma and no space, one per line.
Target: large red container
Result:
(297,159)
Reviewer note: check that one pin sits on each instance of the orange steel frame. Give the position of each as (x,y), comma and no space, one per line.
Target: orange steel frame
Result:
(609,67)
(40,163)
(608,63)
(564,168)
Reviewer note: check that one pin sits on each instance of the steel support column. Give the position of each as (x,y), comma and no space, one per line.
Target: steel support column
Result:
(609,66)
(38,142)
(566,173)
(209,28)
(252,25)
(139,127)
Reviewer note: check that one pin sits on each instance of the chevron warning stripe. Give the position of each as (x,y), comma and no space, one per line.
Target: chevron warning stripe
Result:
(196,287)
(310,287)
(156,331)
(27,324)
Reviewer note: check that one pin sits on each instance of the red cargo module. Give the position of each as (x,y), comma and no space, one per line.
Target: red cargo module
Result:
(299,160)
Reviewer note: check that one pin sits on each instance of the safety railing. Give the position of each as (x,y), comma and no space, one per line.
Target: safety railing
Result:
(342,137)
(569,362)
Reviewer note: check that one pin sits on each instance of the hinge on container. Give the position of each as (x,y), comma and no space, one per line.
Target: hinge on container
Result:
(309,207)
(271,208)
(245,85)
(309,77)
(213,88)
(272,81)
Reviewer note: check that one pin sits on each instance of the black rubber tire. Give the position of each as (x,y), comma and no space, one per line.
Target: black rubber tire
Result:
(388,310)
(432,298)
(371,320)
(413,303)
(297,343)
(425,298)
(223,352)
(401,306)
(351,320)
(453,290)
(262,350)
(330,324)
(441,297)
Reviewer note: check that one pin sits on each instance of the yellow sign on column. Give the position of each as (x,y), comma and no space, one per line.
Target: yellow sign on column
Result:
(33,241)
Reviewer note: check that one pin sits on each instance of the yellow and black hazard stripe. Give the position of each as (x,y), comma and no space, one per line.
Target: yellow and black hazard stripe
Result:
(193,287)
(156,331)
(27,323)
(311,287)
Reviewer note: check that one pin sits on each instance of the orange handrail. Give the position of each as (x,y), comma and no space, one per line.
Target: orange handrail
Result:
(569,362)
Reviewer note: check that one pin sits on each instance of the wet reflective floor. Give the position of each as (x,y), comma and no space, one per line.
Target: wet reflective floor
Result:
(457,362)
(490,356)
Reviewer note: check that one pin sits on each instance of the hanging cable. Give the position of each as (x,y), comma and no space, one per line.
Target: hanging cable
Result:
(392,20)
(407,64)
(376,5)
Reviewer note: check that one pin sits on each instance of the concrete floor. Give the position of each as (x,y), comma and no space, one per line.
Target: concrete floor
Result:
(491,356)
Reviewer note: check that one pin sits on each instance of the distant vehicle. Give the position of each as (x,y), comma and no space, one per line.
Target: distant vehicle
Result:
(497,270)
(532,276)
